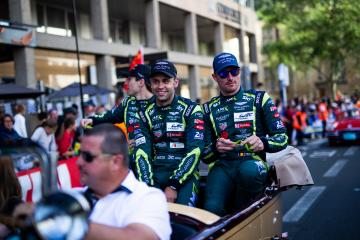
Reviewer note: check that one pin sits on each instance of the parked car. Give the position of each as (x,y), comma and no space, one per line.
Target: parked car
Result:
(346,130)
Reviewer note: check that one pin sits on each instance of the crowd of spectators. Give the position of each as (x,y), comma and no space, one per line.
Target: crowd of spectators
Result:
(311,119)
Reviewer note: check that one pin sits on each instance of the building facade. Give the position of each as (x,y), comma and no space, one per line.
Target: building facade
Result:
(189,32)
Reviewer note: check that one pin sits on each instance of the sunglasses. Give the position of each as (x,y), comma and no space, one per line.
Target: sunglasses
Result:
(88,157)
(234,72)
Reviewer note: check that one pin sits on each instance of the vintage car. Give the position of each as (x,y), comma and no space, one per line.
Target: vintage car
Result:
(346,130)
(41,175)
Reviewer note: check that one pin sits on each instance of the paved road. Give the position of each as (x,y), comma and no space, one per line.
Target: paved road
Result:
(331,208)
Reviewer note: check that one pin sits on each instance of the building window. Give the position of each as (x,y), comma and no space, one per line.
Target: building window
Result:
(119,31)
(55,20)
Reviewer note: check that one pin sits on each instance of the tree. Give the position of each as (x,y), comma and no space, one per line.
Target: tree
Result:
(321,34)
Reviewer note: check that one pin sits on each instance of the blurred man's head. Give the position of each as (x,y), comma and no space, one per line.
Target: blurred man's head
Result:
(226,73)
(163,81)
(103,156)
(138,79)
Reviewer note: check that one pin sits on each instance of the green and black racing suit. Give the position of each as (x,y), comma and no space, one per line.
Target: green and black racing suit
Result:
(127,112)
(241,170)
(168,155)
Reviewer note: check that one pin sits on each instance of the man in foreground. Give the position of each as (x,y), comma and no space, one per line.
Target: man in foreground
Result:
(122,207)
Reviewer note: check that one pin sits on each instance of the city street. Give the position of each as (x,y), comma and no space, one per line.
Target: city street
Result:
(329,209)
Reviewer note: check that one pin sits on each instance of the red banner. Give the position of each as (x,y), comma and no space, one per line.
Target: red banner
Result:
(30,180)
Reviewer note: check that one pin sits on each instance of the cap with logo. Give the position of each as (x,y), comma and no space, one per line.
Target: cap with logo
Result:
(165,67)
(141,71)
(223,60)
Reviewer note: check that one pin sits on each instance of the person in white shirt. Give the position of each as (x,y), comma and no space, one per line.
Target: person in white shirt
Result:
(44,135)
(122,207)
(20,123)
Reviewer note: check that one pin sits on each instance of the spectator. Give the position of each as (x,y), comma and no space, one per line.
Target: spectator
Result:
(299,124)
(89,109)
(20,122)
(10,192)
(53,114)
(44,135)
(65,143)
(7,132)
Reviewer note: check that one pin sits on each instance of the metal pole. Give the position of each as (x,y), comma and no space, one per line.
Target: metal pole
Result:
(78,60)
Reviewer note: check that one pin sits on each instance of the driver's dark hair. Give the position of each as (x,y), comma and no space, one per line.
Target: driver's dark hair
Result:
(114,140)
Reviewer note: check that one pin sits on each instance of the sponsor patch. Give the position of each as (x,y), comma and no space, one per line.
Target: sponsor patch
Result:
(273,108)
(243,116)
(221,110)
(161,145)
(198,121)
(140,141)
(199,127)
(137,131)
(180,108)
(157,117)
(130,129)
(222,118)
(199,136)
(157,133)
(279,124)
(276,115)
(174,127)
(175,134)
(216,104)
(240,103)
(246,98)
(243,125)
(177,145)
(223,125)
(136,126)
(173,113)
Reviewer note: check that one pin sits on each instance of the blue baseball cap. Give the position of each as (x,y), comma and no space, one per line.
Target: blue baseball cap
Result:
(223,60)
(165,67)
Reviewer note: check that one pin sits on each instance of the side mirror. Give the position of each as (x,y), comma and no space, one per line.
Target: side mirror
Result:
(62,215)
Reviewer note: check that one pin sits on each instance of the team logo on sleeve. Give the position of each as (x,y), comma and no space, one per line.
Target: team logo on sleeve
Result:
(244,116)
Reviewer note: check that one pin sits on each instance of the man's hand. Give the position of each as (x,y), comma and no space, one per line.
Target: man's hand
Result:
(86,122)
(254,142)
(224,145)
(171,194)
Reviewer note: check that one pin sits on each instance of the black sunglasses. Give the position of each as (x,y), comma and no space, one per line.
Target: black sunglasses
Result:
(88,157)
(234,72)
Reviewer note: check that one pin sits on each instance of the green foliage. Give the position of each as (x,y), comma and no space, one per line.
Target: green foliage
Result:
(312,32)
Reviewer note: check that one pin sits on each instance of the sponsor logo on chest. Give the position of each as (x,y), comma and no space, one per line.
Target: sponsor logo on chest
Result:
(174,127)
(177,145)
(243,125)
(244,116)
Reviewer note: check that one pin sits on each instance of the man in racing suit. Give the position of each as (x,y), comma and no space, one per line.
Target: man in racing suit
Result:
(240,127)
(127,112)
(173,141)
